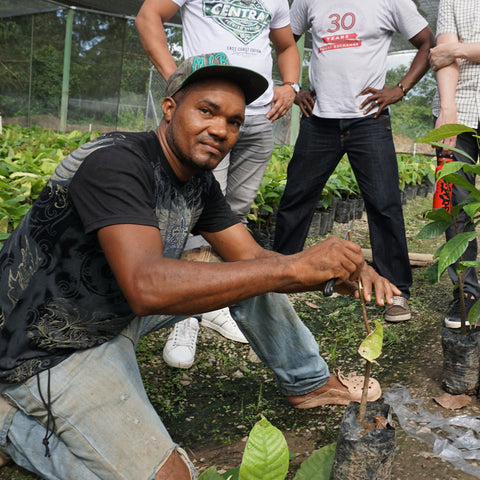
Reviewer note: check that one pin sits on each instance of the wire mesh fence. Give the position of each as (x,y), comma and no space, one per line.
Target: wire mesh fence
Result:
(111,82)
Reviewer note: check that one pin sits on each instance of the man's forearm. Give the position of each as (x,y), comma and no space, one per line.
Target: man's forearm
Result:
(447,77)
(289,64)
(449,49)
(154,41)
(197,287)
(467,51)
(153,284)
(420,65)
(288,57)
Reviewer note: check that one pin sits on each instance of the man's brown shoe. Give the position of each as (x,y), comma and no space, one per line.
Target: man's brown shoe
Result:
(399,311)
(338,390)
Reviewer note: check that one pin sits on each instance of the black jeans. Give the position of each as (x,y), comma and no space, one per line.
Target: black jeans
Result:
(368,142)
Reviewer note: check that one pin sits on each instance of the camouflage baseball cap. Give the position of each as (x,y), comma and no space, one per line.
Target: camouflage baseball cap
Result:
(216,65)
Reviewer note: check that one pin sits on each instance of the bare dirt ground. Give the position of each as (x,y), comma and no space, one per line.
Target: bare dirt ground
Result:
(420,370)
(417,365)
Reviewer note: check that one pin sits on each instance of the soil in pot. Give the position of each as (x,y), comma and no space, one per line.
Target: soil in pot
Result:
(461,361)
(363,455)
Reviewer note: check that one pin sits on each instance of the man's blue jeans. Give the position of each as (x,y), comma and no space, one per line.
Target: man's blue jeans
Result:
(368,142)
(104,425)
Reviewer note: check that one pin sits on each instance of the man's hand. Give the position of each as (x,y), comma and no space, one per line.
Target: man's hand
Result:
(283,97)
(305,99)
(371,281)
(442,55)
(344,261)
(380,98)
(332,258)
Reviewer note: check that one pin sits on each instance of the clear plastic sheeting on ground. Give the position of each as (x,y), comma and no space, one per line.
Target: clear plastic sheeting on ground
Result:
(454,439)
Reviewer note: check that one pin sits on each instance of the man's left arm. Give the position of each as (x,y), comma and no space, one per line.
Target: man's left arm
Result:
(289,66)
(447,80)
(235,244)
(423,41)
(446,53)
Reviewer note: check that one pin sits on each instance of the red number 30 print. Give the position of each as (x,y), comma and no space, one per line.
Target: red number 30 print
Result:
(346,22)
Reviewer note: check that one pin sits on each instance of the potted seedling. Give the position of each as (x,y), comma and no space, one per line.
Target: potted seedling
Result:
(366,442)
(461,347)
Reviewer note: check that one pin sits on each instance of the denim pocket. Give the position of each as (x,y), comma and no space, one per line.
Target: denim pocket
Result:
(385,118)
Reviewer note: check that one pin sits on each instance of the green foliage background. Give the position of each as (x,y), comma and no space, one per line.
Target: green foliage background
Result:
(412,116)
(28,157)
(110,74)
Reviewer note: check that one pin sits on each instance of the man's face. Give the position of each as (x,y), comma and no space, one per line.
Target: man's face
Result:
(204,125)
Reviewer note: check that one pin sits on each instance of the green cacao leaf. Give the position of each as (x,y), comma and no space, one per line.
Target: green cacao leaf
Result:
(266,454)
(433,230)
(371,347)
(445,131)
(454,249)
(318,465)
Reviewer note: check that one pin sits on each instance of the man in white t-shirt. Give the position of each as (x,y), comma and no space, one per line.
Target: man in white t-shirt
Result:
(242,29)
(346,113)
(456,60)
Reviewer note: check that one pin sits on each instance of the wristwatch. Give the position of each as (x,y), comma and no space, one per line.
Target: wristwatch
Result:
(296,87)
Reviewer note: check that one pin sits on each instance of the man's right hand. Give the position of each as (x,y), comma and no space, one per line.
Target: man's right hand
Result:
(442,55)
(305,99)
(344,261)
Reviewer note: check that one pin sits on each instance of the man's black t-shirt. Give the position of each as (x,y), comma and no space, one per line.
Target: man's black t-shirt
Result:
(57,292)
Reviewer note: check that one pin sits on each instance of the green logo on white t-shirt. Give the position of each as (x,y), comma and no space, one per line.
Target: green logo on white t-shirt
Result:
(244,19)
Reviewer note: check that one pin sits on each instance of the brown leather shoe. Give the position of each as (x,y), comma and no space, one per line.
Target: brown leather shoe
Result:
(339,390)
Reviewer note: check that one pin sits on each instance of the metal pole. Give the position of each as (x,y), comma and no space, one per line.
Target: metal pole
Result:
(119,96)
(67,56)
(149,96)
(295,119)
(30,76)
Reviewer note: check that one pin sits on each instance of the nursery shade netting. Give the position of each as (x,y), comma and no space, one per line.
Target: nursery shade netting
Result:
(111,83)
(10,8)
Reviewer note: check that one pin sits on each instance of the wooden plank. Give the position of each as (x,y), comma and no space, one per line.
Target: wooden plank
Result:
(416,259)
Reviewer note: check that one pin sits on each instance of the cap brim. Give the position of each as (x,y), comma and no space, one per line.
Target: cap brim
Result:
(252,83)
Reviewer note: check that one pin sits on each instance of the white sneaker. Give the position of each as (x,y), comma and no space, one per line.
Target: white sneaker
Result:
(179,351)
(223,323)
